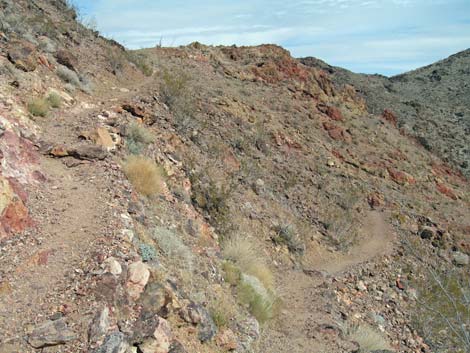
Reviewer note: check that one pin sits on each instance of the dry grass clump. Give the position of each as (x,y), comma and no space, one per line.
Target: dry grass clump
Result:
(146,177)
(368,338)
(246,270)
(137,138)
(38,107)
(55,100)
(244,254)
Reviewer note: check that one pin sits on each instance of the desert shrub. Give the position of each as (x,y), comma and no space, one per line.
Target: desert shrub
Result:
(71,77)
(245,255)
(246,270)
(176,92)
(175,87)
(140,61)
(260,300)
(368,338)
(287,234)
(38,107)
(146,177)
(137,138)
(68,76)
(222,310)
(213,200)
(232,273)
(172,246)
(55,100)
(442,313)
(147,252)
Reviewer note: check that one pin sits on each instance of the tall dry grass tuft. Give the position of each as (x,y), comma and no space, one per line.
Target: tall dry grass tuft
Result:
(144,174)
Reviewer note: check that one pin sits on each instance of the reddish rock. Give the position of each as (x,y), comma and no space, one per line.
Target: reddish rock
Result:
(227,340)
(444,189)
(44,62)
(15,218)
(334,113)
(336,132)
(390,116)
(134,109)
(400,177)
(324,82)
(375,200)
(66,58)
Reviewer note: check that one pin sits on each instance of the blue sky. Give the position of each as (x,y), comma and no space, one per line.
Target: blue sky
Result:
(370,36)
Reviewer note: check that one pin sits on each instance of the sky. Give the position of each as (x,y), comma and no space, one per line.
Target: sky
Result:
(369,36)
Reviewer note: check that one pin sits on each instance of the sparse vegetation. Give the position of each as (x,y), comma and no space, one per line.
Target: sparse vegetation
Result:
(71,77)
(137,138)
(213,200)
(140,61)
(55,101)
(172,246)
(176,93)
(147,252)
(368,338)
(38,107)
(222,310)
(287,234)
(68,76)
(442,313)
(144,174)
(254,281)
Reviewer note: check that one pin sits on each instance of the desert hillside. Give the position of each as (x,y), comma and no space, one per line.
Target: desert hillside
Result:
(430,103)
(216,199)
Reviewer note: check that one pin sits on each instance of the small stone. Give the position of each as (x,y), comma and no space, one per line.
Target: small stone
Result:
(360,286)
(427,233)
(460,259)
(114,343)
(158,335)
(99,326)
(112,266)
(51,333)
(227,340)
(139,275)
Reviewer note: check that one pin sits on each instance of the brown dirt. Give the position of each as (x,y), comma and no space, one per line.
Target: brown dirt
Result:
(300,327)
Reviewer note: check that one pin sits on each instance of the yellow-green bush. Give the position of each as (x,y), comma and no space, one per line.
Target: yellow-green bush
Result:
(144,174)
(38,107)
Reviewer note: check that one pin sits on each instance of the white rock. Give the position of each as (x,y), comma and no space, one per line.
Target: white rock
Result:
(138,277)
(112,266)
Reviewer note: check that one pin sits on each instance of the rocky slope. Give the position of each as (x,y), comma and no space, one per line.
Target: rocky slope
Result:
(208,199)
(430,103)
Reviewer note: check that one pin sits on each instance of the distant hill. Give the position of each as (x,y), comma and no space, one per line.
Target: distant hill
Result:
(431,103)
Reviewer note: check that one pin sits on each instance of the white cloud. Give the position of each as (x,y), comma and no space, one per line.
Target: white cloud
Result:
(364,35)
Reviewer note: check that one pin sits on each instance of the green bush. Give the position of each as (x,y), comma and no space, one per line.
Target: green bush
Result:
(442,310)
(38,107)
(147,252)
(288,235)
(55,101)
(137,138)
(141,62)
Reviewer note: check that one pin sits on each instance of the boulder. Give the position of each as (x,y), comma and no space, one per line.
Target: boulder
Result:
(51,333)
(88,152)
(114,343)
(66,58)
(227,340)
(138,277)
(23,55)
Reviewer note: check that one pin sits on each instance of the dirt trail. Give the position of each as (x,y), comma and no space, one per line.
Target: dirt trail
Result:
(43,271)
(376,239)
(305,301)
